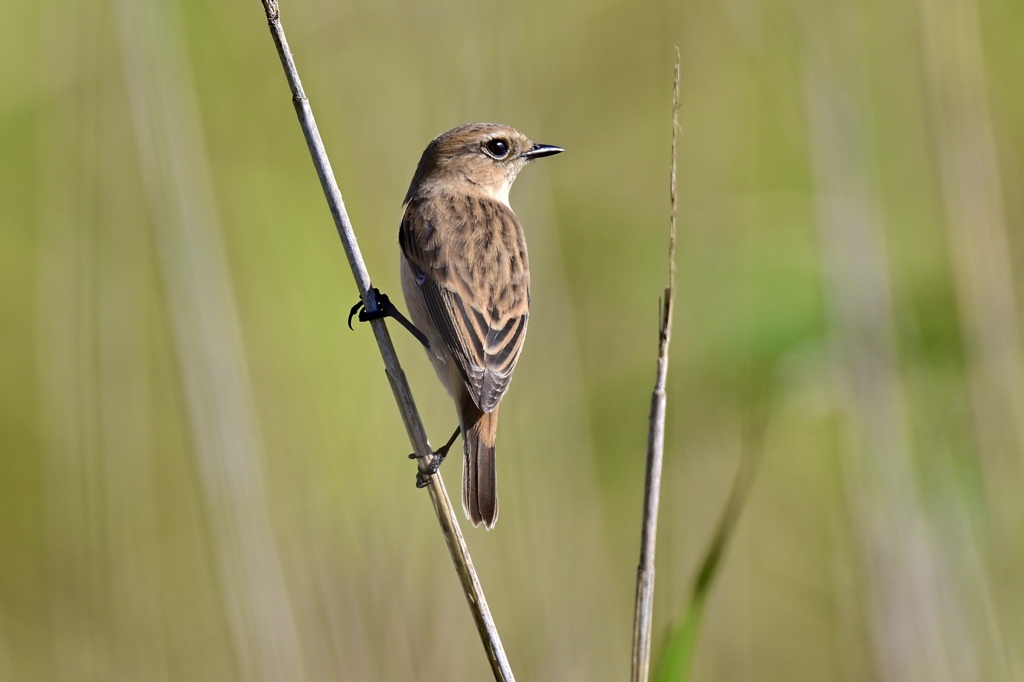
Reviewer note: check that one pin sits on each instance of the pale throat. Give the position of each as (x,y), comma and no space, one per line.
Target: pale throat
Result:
(500,193)
(492,190)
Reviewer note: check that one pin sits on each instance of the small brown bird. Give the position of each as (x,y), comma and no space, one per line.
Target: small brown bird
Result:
(466,280)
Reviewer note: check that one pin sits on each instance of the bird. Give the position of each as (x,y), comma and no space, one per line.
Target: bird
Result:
(465,276)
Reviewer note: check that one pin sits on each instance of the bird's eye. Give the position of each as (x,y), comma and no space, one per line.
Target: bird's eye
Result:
(498,148)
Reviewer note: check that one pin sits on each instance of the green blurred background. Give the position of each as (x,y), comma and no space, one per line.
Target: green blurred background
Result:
(202,472)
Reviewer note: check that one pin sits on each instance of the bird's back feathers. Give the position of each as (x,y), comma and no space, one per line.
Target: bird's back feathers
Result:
(475,283)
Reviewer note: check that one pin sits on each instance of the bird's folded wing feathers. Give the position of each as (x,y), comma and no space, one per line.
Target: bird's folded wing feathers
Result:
(482,326)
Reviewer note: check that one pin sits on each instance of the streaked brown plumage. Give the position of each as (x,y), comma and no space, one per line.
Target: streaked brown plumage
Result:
(466,280)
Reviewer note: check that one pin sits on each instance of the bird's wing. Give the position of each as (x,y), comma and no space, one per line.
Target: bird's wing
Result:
(473,273)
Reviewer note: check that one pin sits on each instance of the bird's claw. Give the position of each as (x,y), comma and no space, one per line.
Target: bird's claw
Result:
(437,457)
(423,475)
(385,308)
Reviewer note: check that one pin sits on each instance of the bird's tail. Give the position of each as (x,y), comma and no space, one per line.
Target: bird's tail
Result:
(479,482)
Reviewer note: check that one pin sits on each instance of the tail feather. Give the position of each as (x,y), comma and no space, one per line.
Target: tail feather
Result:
(479,480)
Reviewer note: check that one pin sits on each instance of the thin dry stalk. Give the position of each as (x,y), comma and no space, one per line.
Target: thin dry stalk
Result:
(399,386)
(644,606)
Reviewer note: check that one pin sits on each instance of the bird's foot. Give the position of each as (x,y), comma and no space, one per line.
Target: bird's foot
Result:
(437,457)
(383,307)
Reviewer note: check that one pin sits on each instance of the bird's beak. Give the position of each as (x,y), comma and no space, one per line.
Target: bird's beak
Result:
(539,150)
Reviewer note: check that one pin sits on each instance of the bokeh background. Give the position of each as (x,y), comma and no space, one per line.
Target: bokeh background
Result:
(202,472)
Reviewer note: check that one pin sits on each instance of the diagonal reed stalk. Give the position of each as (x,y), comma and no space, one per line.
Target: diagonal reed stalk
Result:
(399,386)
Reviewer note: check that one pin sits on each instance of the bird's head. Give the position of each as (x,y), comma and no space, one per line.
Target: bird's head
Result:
(478,158)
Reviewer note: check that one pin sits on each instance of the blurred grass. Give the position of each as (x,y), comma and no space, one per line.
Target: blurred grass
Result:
(116,552)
